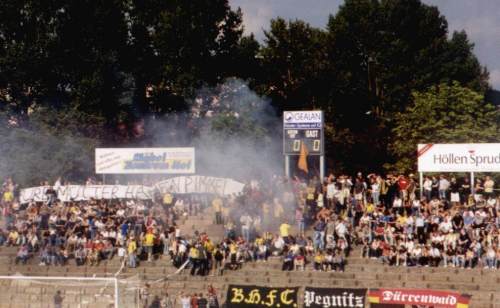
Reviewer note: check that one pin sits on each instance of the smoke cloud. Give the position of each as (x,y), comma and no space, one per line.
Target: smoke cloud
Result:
(236,133)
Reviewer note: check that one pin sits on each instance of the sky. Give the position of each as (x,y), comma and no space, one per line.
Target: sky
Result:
(479,18)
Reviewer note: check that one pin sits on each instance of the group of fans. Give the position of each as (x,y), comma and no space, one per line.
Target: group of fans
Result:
(390,217)
(453,224)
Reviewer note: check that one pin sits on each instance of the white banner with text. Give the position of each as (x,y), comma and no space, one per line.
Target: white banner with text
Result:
(461,157)
(144,160)
(196,184)
(86,192)
(201,185)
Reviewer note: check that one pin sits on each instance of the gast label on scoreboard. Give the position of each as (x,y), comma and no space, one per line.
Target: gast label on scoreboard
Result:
(303,127)
(459,157)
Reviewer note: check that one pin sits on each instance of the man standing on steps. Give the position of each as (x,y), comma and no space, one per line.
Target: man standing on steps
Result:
(202,301)
(285,231)
(149,239)
(217,207)
(168,199)
(58,299)
(246,224)
(131,250)
(194,257)
(185,300)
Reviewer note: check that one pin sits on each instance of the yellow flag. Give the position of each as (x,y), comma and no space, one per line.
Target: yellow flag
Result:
(302,165)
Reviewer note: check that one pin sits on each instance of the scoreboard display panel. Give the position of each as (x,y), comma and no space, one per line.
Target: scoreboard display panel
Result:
(303,127)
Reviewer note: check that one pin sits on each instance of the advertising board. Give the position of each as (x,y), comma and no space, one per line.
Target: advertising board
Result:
(334,297)
(303,127)
(459,157)
(250,296)
(144,160)
(417,297)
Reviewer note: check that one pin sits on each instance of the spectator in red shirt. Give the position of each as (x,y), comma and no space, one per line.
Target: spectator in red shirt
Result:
(403,184)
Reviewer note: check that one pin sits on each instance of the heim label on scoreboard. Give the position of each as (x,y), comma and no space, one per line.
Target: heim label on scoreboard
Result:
(303,127)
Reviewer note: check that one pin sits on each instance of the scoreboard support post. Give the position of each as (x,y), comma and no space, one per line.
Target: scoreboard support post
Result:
(287,166)
(321,168)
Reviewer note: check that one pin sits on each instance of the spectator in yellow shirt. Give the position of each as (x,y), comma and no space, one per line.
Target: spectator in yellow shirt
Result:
(217,206)
(168,199)
(370,208)
(149,240)
(8,196)
(319,259)
(285,231)
(131,250)
(12,238)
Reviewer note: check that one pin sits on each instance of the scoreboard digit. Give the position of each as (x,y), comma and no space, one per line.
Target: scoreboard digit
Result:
(316,145)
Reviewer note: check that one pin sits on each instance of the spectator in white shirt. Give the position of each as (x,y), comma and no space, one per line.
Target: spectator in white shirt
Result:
(443,187)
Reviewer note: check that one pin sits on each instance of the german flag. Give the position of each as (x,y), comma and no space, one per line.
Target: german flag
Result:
(463,301)
(374,296)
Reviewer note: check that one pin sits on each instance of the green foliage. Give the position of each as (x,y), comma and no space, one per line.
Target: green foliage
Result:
(62,52)
(443,114)
(379,52)
(294,62)
(180,46)
(362,70)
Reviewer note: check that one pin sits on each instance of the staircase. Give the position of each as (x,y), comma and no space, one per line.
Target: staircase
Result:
(203,222)
(360,273)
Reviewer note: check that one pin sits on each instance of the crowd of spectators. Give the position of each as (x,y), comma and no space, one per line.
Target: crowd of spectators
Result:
(257,226)
(270,219)
(184,300)
(452,224)
(447,226)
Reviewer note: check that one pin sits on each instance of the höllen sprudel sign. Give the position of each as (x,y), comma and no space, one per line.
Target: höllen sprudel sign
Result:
(459,157)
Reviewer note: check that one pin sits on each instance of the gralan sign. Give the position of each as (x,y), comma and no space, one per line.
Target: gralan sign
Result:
(303,127)
(239,296)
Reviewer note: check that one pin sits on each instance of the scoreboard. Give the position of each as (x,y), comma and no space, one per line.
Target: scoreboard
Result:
(303,127)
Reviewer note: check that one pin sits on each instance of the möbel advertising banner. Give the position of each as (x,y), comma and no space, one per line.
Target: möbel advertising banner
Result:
(240,296)
(144,160)
(334,297)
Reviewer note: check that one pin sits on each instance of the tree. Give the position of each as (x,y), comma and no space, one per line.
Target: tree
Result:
(60,52)
(447,113)
(379,52)
(293,60)
(94,69)
(383,50)
(179,46)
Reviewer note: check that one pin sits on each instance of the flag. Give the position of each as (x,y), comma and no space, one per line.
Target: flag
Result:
(302,165)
